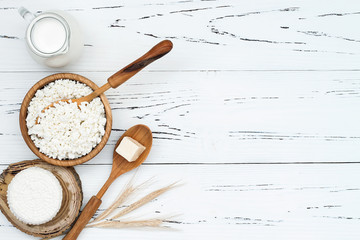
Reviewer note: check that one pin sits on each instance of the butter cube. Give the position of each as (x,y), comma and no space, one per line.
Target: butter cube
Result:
(130,149)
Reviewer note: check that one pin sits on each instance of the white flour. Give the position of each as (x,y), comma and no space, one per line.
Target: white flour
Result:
(64,131)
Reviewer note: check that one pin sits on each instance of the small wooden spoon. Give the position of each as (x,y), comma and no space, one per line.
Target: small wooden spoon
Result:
(140,133)
(159,50)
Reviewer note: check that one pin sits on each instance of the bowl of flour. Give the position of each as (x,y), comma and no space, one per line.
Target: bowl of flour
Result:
(66,134)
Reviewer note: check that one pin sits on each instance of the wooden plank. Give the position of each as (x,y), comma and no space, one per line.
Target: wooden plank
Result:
(242,201)
(219,117)
(207,35)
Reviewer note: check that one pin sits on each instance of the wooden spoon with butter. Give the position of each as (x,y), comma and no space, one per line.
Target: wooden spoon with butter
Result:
(158,51)
(141,134)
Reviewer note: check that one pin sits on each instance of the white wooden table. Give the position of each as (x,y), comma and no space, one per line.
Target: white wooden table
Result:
(256,110)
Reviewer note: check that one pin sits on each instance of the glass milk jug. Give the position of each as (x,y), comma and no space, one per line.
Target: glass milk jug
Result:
(53,38)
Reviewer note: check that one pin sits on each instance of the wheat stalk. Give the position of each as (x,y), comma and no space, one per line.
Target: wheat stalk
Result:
(143,201)
(128,190)
(124,224)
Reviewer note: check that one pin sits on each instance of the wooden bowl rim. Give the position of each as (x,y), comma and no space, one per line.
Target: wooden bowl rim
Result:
(24,130)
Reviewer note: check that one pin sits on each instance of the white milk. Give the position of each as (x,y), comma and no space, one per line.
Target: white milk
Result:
(53,38)
(48,35)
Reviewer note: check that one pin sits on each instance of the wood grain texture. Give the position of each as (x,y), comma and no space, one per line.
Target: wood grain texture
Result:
(121,76)
(218,35)
(314,201)
(143,135)
(24,109)
(249,85)
(250,116)
(155,53)
(86,214)
(70,207)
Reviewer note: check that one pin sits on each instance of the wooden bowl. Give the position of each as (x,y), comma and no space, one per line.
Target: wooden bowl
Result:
(70,206)
(24,129)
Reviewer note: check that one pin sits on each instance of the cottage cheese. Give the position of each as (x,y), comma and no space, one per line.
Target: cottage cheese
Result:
(65,131)
(34,196)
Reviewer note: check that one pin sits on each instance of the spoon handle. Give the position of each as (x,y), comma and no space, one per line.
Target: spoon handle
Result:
(130,70)
(85,216)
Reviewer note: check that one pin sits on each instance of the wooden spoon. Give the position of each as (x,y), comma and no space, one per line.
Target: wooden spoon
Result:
(159,50)
(140,133)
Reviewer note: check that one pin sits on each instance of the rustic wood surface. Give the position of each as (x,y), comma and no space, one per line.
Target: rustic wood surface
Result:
(255,110)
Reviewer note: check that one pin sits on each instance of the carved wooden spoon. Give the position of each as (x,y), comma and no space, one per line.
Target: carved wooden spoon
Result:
(140,133)
(159,50)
